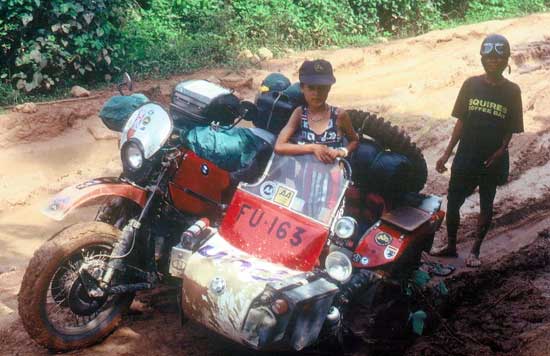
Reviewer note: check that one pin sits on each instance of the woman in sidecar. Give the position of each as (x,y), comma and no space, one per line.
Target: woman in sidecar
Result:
(317,127)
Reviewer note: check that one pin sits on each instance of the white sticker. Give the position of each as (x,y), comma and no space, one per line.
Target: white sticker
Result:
(267,190)
(390,252)
(284,195)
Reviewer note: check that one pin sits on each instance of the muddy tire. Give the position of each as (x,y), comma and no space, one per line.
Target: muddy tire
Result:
(380,325)
(396,140)
(50,270)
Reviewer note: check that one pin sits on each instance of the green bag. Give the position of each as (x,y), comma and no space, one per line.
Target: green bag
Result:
(116,111)
(229,149)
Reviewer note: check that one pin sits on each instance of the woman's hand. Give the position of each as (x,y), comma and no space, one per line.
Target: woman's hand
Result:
(323,153)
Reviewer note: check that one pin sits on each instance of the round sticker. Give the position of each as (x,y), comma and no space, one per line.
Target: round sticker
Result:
(365,261)
(267,190)
(217,285)
(204,169)
(383,239)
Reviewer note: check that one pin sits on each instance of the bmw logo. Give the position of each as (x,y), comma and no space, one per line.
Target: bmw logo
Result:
(218,285)
(204,169)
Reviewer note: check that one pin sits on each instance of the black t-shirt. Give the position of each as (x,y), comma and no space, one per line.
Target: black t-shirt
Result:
(488,113)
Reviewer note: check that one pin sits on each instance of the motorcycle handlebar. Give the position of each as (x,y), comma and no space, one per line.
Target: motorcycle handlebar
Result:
(347,167)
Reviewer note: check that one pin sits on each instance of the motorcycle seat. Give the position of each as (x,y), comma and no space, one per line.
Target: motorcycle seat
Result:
(406,218)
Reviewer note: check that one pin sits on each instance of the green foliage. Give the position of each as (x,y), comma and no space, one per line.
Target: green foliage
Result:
(47,44)
(44,43)
(9,95)
(481,10)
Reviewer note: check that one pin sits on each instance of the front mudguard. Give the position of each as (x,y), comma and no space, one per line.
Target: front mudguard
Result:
(77,195)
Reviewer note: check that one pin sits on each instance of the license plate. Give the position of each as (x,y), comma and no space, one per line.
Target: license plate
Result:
(265,224)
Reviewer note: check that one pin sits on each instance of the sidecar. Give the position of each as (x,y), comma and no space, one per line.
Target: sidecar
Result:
(257,278)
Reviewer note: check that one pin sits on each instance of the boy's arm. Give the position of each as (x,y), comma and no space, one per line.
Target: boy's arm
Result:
(455,137)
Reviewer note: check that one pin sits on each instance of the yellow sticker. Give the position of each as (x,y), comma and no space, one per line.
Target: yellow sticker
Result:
(284,195)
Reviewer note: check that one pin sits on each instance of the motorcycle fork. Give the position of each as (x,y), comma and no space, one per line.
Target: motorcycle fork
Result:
(124,246)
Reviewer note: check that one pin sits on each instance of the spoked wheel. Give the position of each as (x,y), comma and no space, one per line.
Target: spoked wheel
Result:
(54,305)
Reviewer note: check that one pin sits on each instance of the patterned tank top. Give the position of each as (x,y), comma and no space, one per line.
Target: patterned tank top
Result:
(329,137)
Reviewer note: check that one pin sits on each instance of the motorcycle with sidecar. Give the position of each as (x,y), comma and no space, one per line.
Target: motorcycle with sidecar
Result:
(275,262)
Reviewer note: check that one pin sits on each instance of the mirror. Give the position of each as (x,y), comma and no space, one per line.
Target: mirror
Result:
(248,110)
(127,80)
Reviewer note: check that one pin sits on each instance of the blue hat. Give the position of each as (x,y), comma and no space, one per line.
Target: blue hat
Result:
(317,72)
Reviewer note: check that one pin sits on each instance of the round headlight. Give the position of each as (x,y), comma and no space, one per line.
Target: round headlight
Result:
(345,227)
(132,156)
(338,266)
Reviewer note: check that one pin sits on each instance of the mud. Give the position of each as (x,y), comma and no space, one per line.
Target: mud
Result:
(498,310)
(503,309)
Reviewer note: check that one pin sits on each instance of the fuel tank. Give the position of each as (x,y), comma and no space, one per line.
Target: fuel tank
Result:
(199,186)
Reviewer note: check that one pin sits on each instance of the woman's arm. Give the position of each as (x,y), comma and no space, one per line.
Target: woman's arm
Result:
(349,131)
(344,123)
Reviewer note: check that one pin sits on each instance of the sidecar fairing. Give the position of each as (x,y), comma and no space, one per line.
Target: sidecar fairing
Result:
(254,279)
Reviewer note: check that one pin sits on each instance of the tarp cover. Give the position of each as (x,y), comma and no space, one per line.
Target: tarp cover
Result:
(230,149)
(118,109)
(380,171)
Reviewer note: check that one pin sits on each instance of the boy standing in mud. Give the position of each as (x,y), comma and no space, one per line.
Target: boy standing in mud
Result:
(488,111)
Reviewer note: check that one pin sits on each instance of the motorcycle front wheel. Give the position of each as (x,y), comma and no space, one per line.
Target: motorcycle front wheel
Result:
(53,303)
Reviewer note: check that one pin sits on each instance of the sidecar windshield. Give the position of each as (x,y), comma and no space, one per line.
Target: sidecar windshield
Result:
(302,184)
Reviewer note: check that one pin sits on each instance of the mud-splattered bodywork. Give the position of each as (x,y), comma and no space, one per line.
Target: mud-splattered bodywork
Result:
(231,292)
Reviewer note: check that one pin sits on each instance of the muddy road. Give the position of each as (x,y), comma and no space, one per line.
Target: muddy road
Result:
(499,310)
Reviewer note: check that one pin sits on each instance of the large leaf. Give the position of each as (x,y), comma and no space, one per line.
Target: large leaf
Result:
(20,84)
(43,62)
(37,78)
(88,17)
(26,18)
(417,318)
(35,55)
(30,86)
(66,28)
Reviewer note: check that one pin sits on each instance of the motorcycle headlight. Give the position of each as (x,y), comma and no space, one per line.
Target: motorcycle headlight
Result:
(338,266)
(132,155)
(345,227)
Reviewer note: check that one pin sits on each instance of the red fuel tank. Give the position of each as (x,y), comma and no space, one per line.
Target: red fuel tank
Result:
(198,185)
